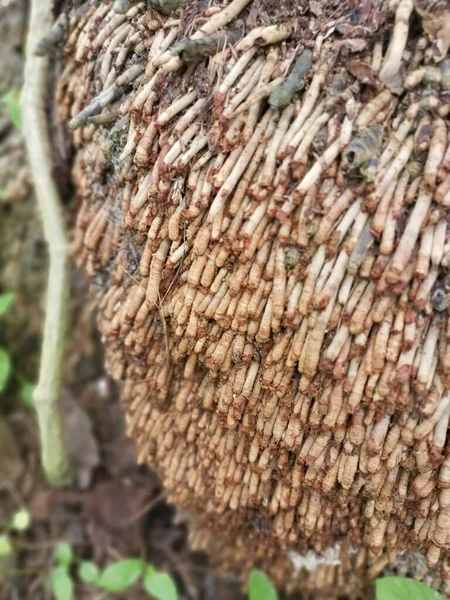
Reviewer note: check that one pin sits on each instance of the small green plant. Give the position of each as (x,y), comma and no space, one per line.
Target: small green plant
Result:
(88,572)
(6,366)
(119,576)
(20,522)
(387,588)
(159,585)
(116,578)
(64,554)
(6,547)
(402,588)
(61,583)
(260,587)
(6,301)
(12,101)
(26,391)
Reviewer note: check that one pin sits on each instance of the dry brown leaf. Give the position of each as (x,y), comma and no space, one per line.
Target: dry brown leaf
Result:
(81,444)
(114,509)
(362,71)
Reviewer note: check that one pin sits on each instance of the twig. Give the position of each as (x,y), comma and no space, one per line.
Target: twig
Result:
(145,509)
(46,395)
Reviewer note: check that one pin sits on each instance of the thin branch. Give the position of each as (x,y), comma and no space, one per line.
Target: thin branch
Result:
(46,396)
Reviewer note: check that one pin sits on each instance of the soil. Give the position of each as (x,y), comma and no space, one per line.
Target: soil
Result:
(115,509)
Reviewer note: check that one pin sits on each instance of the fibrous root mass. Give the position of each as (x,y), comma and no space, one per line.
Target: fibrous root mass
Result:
(264,197)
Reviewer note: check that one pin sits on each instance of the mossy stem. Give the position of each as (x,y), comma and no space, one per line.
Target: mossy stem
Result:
(55,461)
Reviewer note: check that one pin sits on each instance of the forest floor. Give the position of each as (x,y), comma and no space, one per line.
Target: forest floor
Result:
(115,509)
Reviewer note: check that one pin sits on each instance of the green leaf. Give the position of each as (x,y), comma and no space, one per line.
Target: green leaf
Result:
(5,368)
(402,588)
(159,585)
(64,553)
(21,520)
(88,571)
(5,545)
(12,101)
(260,587)
(6,300)
(61,583)
(121,575)
(26,392)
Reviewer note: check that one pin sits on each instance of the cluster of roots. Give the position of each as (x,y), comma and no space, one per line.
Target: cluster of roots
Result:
(264,215)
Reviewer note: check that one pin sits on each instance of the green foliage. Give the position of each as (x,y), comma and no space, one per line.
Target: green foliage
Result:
(5,368)
(64,554)
(61,583)
(115,579)
(159,585)
(387,588)
(88,572)
(402,588)
(260,587)
(21,520)
(26,391)
(26,388)
(5,546)
(6,301)
(12,101)
(121,575)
